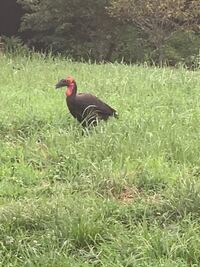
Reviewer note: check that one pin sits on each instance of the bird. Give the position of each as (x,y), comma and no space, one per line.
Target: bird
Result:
(85,107)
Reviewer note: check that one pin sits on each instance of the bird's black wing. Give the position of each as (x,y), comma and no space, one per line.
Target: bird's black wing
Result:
(89,101)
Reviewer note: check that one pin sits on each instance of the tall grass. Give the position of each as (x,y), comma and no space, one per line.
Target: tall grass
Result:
(125,194)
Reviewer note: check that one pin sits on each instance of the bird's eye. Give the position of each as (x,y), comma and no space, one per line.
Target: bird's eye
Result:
(70,79)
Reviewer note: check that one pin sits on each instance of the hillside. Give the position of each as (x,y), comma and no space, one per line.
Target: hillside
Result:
(125,194)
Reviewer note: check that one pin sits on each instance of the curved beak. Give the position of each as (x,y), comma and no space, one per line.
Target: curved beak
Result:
(61,83)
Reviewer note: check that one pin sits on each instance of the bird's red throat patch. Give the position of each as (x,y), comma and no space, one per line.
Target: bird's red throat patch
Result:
(70,89)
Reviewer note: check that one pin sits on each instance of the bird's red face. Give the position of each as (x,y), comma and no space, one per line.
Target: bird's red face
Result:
(70,85)
(69,82)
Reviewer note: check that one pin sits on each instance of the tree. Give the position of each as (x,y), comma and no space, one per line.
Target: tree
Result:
(159,19)
(79,28)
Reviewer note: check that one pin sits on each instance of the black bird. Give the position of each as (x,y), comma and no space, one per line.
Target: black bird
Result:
(86,108)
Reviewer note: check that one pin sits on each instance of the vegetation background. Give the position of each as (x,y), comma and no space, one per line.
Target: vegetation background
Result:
(129,31)
(126,193)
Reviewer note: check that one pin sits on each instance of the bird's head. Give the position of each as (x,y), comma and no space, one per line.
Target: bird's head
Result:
(70,83)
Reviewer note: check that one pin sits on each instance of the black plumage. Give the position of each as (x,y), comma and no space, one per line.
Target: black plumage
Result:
(86,108)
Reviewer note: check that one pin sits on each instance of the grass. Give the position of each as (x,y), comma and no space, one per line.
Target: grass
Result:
(125,194)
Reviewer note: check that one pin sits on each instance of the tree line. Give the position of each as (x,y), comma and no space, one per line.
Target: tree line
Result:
(132,31)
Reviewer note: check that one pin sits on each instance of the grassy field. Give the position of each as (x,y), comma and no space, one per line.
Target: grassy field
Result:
(124,194)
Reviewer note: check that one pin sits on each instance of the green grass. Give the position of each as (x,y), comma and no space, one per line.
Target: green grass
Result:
(125,194)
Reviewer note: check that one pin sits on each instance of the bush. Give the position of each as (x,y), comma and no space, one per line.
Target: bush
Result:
(14,45)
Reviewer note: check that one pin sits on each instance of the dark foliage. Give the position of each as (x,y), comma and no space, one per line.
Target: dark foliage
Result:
(84,30)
